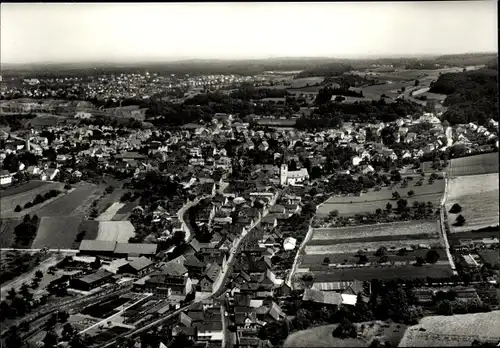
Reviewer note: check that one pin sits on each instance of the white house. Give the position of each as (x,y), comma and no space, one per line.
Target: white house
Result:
(289,243)
(356,160)
(5,177)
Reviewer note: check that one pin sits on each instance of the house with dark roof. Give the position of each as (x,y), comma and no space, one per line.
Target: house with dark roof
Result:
(210,276)
(138,266)
(91,281)
(194,266)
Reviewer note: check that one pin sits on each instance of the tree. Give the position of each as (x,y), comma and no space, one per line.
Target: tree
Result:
(11,293)
(62,316)
(382,251)
(333,214)
(460,220)
(51,322)
(345,329)
(411,193)
(445,308)
(432,256)
(362,259)
(18,208)
(362,311)
(13,339)
(388,207)
(27,219)
(455,209)
(68,331)
(51,339)
(419,261)
(25,290)
(5,310)
(417,82)
(96,264)
(39,274)
(396,195)
(326,260)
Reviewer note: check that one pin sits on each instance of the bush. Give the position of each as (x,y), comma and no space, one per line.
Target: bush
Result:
(460,221)
(18,208)
(345,329)
(455,209)
(28,205)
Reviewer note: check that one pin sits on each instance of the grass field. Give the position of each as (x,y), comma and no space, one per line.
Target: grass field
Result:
(15,190)
(369,273)
(478,195)
(486,163)
(314,260)
(322,336)
(75,203)
(303,82)
(119,231)
(369,246)
(378,230)
(110,198)
(7,231)
(57,232)
(25,193)
(371,201)
(453,331)
(110,212)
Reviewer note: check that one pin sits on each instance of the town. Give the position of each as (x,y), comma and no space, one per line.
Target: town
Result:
(288,204)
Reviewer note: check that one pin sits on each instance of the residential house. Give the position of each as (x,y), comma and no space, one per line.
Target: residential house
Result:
(138,266)
(5,178)
(210,277)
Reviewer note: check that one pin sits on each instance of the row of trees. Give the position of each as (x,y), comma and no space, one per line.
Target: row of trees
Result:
(38,200)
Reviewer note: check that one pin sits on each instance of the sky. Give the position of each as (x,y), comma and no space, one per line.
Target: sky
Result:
(109,32)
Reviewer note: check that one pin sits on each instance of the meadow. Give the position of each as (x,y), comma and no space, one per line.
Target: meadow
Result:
(486,163)
(7,235)
(372,200)
(23,194)
(108,214)
(75,203)
(453,331)
(322,336)
(58,232)
(478,195)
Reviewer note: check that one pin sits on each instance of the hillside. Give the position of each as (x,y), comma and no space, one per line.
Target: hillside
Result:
(472,96)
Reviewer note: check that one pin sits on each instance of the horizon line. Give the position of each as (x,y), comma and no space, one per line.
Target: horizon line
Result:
(180,60)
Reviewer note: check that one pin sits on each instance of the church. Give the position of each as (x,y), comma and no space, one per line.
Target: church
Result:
(292,177)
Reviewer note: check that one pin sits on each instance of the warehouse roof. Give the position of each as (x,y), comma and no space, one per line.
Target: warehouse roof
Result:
(136,248)
(97,245)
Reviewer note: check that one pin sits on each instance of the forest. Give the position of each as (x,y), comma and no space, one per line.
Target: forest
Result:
(472,96)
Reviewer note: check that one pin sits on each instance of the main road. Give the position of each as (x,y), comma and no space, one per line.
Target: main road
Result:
(218,287)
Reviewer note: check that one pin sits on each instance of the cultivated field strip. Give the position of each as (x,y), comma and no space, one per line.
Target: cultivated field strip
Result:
(57,232)
(478,196)
(369,246)
(474,165)
(108,214)
(385,229)
(119,231)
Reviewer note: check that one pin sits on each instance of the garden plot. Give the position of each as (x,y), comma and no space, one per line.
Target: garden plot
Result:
(478,197)
(453,331)
(7,235)
(377,230)
(57,232)
(25,193)
(119,231)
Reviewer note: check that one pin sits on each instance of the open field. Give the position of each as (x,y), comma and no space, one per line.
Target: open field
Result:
(453,331)
(25,187)
(369,273)
(57,232)
(119,231)
(322,336)
(372,200)
(486,163)
(75,203)
(45,120)
(108,214)
(478,197)
(369,246)
(7,235)
(109,198)
(303,82)
(315,260)
(365,231)
(80,322)
(25,193)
